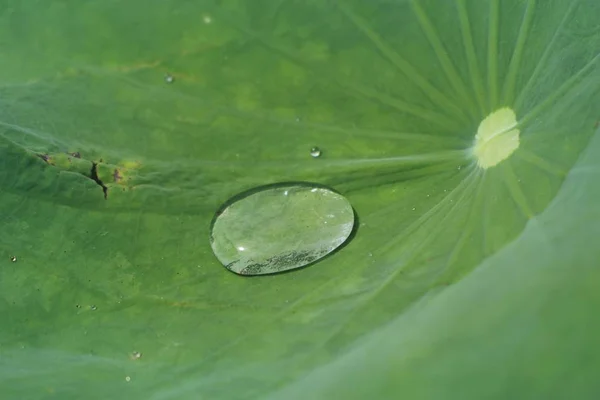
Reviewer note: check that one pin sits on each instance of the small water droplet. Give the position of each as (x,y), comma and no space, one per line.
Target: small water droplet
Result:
(127,379)
(207,19)
(427,195)
(459,167)
(169,78)
(13,258)
(266,231)
(315,152)
(93,308)
(298,119)
(414,208)
(136,355)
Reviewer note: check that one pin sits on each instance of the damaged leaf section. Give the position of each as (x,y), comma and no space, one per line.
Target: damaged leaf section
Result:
(104,174)
(95,178)
(117,175)
(68,162)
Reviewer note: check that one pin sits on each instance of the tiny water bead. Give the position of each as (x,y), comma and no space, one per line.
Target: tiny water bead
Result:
(497,138)
(169,78)
(315,152)
(280,228)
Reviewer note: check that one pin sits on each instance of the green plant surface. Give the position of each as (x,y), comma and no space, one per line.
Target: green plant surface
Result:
(124,125)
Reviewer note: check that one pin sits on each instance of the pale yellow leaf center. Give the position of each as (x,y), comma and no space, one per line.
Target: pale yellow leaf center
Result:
(497,138)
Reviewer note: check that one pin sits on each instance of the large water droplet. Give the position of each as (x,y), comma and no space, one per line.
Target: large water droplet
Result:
(315,152)
(280,228)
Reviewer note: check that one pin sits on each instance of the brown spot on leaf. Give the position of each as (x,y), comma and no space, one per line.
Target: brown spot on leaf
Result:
(46,158)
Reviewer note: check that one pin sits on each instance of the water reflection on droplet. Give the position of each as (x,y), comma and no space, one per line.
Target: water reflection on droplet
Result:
(315,152)
(280,228)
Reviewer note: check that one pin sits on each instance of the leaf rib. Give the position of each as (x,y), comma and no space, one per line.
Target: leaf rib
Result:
(493,53)
(470,179)
(404,66)
(534,159)
(512,183)
(515,62)
(474,72)
(442,55)
(544,58)
(467,226)
(564,88)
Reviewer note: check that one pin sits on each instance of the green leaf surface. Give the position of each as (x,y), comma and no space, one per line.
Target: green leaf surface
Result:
(461,282)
